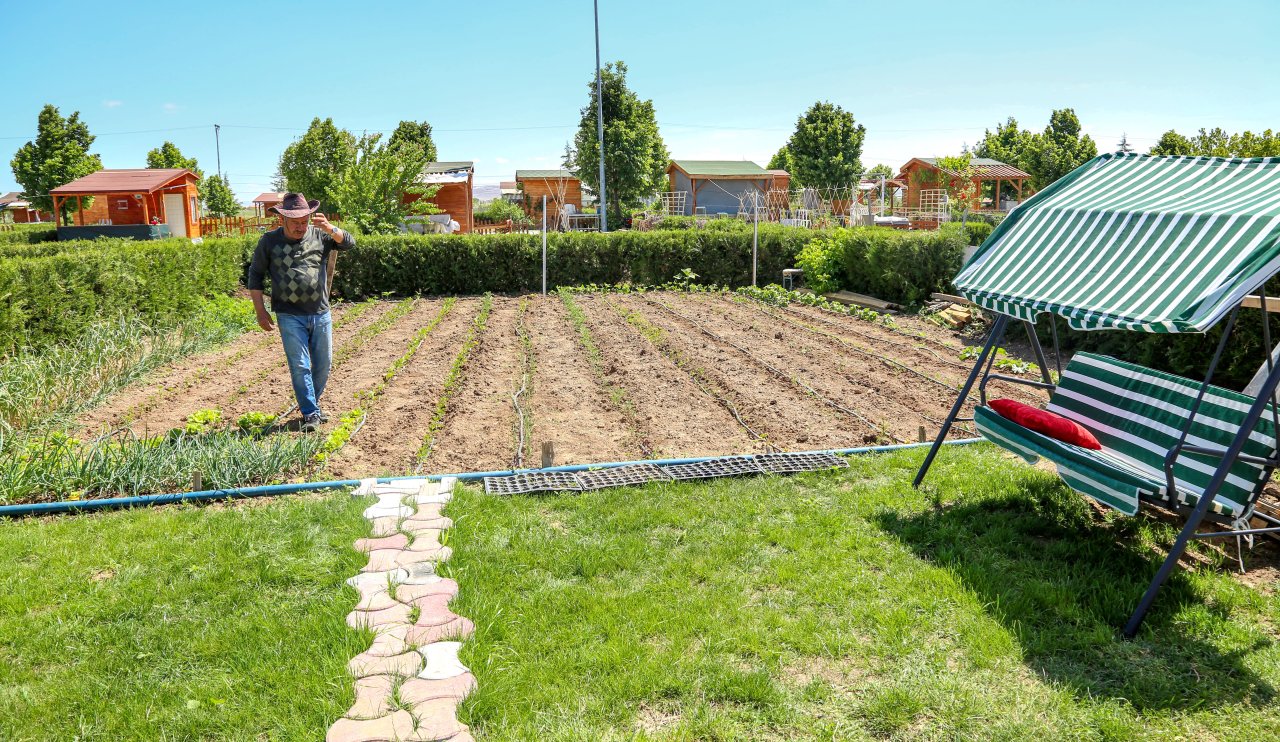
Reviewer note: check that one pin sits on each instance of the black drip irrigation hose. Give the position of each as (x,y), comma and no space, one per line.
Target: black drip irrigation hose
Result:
(776,371)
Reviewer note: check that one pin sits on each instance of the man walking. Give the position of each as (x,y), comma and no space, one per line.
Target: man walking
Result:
(296,257)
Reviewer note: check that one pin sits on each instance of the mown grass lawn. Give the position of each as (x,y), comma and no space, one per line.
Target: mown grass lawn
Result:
(179,623)
(846,606)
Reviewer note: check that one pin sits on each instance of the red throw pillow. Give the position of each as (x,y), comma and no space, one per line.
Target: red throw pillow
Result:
(1048,423)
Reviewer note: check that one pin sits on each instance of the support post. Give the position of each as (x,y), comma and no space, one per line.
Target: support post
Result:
(544,245)
(997,332)
(1039,351)
(755,236)
(1206,500)
(602,207)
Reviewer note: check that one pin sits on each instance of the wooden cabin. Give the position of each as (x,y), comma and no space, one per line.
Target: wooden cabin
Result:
(265,201)
(561,187)
(126,201)
(456,196)
(996,184)
(717,186)
(14,209)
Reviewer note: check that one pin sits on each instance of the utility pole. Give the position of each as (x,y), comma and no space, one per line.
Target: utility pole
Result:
(604,223)
(544,244)
(217,142)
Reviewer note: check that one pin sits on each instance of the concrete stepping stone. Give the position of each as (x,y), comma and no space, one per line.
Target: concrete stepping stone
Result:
(388,504)
(393,727)
(397,613)
(377,601)
(406,559)
(420,573)
(424,539)
(394,541)
(389,643)
(374,697)
(437,720)
(438,586)
(459,628)
(406,664)
(441,661)
(387,525)
(433,610)
(419,690)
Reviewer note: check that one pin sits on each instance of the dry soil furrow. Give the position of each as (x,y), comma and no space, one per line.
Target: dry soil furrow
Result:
(569,406)
(910,329)
(363,370)
(893,398)
(680,418)
(786,416)
(259,376)
(392,433)
(478,433)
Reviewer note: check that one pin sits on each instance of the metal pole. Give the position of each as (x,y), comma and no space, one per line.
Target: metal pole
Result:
(544,244)
(755,237)
(217,143)
(604,222)
(997,332)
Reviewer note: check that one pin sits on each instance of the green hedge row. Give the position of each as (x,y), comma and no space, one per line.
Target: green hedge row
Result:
(48,298)
(903,267)
(27,234)
(473,264)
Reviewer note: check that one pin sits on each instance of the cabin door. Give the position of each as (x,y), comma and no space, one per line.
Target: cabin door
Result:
(175,214)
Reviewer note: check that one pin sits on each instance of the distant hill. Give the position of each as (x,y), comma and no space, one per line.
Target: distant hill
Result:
(486,192)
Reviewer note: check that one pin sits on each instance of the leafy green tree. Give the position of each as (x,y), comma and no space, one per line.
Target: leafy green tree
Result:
(414,132)
(1060,149)
(881,169)
(635,157)
(58,155)
(826,148)
(168,155)
(311,165)
(1008,144)
(218,198)
(1218,143)
(370,191)
(781,160)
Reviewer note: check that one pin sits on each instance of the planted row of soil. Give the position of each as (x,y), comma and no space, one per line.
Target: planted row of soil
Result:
(605,377)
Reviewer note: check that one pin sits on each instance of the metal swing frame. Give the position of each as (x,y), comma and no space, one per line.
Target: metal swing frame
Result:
(1195,515)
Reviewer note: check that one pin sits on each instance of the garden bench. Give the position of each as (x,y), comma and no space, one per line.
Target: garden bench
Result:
(1139,416)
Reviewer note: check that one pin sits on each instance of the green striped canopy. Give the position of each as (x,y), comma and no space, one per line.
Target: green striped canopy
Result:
(1135,242)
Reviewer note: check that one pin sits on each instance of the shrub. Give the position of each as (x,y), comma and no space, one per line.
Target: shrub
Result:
(498,210)
(29,234)
(903,267)
(49,298)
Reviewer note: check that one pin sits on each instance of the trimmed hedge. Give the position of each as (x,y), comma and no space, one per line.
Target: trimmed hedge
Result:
(903,267)
(474,264)
(28,234)
(47,298)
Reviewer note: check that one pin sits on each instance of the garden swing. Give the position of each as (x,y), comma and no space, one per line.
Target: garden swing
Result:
(1144,244)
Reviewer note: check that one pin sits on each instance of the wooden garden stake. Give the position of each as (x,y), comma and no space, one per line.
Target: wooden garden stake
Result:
(548,454)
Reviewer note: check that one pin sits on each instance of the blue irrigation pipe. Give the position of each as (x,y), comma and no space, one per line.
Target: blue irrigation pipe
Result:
(71,506)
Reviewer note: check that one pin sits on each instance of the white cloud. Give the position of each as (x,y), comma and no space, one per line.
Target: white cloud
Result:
(112,103)
(170,107)
(501,160)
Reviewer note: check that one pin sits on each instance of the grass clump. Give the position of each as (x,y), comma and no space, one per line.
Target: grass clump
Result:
(846,606)
(182,622)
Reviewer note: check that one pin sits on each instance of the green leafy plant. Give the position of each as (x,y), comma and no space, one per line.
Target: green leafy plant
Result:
(255,423)
(202,421)
(453,380)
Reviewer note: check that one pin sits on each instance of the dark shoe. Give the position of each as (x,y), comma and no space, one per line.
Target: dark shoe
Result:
(311,422)
(324,416)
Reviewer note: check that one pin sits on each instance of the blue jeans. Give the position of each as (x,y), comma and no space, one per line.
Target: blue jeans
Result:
(308,345)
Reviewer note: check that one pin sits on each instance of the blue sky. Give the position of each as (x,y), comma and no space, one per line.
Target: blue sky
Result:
(502,82)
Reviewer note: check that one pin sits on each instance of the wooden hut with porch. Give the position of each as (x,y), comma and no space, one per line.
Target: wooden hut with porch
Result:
(456,196)
(998,186)
(265,201)
(561,188)
(14,209)
(126,201)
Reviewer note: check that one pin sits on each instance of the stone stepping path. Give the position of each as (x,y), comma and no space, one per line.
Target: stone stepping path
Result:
(409,681)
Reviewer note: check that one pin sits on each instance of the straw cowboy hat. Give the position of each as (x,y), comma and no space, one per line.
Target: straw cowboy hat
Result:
(294,205)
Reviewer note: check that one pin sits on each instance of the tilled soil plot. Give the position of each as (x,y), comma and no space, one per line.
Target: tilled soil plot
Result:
(782,413)
(887,395)
(569,407)
(676,416)
(479,430)
(389,439)
(923,347)
(261,376)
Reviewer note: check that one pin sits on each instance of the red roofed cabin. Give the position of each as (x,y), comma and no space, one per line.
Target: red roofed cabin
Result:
(124,202)
(456,196)
(561,188)
(14,209)
(991,178)
(265,201)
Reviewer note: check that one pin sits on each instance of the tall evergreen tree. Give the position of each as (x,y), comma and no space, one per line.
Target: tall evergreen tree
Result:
(636,159)
(414,132)
(58,155)
(826,148)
